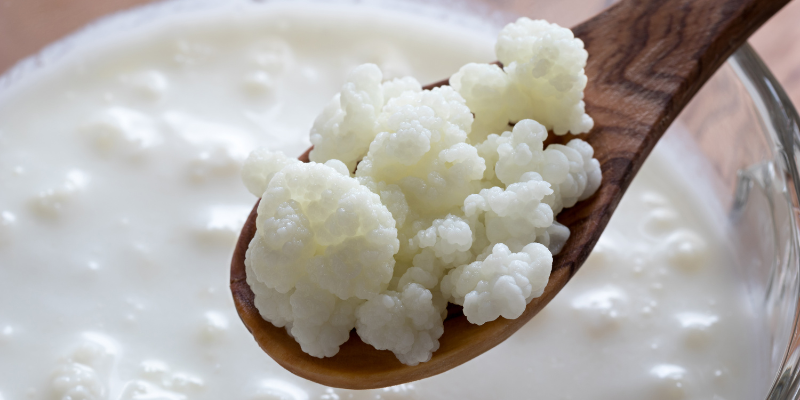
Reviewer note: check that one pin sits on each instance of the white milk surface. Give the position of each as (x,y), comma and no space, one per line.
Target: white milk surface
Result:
(120,202)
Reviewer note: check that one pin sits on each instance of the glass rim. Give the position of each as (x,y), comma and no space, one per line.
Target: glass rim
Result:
(781,119)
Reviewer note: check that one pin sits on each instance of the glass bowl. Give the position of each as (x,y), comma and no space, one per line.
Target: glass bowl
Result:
(752,145)
(742,123)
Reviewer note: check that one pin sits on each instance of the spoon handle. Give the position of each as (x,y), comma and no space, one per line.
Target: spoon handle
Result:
(648,58)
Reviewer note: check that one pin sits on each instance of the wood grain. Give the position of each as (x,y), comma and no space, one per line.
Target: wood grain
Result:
(647,59)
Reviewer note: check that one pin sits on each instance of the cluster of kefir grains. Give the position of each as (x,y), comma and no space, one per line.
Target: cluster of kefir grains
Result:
(418,197)
(542,79)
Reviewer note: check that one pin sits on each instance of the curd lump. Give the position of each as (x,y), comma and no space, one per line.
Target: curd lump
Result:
(329,255)
(120,203)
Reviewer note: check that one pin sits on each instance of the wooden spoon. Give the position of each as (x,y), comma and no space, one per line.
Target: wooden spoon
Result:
(647,59)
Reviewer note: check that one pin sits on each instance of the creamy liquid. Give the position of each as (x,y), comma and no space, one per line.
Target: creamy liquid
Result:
(120,203)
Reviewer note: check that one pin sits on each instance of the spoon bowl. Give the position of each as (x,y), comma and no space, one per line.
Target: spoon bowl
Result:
(647,59)
(359,365)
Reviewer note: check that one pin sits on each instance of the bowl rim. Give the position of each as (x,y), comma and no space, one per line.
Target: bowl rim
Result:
(781,119)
